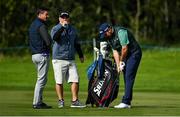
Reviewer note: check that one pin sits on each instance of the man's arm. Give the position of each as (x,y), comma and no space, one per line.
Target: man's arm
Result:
(124,41)
(120,59)
(44,34)
(79,50)
(124,52)
(57,35)
(116,57)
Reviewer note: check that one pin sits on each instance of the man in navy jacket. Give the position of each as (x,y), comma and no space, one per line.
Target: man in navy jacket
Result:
(40,41)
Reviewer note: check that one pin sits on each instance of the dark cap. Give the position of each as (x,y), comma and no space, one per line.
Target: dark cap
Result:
(64,14)
(102,29)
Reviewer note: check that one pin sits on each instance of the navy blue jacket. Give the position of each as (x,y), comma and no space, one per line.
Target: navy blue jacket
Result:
(65,43)
(36,42)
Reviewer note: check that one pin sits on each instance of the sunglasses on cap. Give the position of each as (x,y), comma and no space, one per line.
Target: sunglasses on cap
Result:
(64,15)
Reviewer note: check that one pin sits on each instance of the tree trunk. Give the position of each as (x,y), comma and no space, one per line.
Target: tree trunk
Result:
(137,19)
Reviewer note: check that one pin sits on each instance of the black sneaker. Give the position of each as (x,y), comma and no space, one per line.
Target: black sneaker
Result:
(77,104)
(41,106)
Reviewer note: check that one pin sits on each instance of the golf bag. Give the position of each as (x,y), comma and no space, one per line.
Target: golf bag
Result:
(103,84)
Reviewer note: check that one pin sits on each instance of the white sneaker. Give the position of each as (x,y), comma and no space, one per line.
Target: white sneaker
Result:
(122,105)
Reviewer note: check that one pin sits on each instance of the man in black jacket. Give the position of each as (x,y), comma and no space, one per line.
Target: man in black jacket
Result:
(40,41)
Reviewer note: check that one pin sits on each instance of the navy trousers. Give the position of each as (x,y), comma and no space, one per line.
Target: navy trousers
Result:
(130,71)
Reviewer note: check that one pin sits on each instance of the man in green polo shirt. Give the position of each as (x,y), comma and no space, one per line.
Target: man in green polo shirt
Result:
(127,54)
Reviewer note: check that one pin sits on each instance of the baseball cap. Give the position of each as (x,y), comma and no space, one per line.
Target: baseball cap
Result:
(102,29)
(64,14)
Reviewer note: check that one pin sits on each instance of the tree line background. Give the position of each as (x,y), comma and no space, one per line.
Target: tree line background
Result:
(151,21)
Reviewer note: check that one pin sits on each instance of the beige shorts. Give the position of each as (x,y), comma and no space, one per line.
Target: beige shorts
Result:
(65,70)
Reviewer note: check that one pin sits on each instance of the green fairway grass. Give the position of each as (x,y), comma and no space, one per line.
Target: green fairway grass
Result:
(153,103)
(156,89)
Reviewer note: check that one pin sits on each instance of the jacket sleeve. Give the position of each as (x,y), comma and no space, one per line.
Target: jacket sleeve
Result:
(78,48)
(56,33)
(44,34)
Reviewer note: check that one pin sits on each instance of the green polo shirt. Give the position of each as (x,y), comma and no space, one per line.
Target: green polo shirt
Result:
(123,37)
